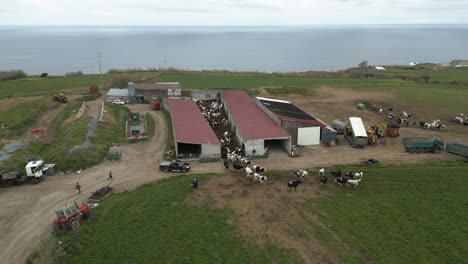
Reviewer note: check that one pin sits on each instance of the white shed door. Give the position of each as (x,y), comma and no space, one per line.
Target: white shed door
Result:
(308,136)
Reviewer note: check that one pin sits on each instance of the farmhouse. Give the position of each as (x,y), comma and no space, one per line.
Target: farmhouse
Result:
(193,136)
(155,90)
(117,94)
(304,129)
(254,130)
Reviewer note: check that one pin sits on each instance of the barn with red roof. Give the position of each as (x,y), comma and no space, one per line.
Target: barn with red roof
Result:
(193,136)
(304,128)
(253,128)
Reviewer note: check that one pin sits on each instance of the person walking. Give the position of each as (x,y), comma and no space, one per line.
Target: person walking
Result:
(78,187)
(110,176)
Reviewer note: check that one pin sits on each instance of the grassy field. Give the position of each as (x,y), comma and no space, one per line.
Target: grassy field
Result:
(155,225)
(407,214)
(150,124)
(19,118)
(170,137)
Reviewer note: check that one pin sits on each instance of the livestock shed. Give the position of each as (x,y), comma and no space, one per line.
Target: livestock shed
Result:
(155,90)
(193,136)
(117,94)
(204,94)
(304,128)
(253,128)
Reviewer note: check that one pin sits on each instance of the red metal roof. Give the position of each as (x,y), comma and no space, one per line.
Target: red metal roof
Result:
(189,124)
(252,122)
(169,85)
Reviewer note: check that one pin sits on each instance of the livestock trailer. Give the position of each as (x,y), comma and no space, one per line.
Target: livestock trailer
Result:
(356,133)
(423,144)
(457,149)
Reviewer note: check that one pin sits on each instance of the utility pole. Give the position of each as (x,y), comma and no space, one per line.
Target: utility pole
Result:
(165,63)
(100,70)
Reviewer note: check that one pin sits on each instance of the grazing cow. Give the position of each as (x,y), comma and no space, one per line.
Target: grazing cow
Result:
(322,172)
(226,164)
(293,184)
(336,174)
(358,175)
(341,181)
(194,184)
(259,178)
(301,174)
(259,169)
(248,172)
(323,179)
(353,183)
(349,175)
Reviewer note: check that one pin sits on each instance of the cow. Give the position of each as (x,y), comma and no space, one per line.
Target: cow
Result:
(293,184)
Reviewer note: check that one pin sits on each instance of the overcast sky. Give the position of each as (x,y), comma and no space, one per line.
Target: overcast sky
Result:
(231,12)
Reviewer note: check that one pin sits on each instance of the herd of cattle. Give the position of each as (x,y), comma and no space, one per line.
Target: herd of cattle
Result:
(405,119)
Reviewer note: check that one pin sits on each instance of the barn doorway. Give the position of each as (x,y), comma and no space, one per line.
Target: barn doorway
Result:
(188,151)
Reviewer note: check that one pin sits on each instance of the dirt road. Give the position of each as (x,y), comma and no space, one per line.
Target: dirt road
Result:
(27,212)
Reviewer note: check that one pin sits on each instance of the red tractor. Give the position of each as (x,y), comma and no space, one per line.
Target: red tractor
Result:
(70,216)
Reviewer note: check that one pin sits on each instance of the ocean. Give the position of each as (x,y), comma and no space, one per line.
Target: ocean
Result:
(60,49)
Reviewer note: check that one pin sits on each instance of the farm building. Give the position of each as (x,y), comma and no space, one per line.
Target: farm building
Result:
(155,90)
(204,94)
(304,129)
(254,130)
(193,136)
(117,94)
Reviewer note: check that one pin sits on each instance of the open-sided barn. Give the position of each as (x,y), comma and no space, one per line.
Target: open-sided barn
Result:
(193,136)
(304,128)
(254,129)
(155,90)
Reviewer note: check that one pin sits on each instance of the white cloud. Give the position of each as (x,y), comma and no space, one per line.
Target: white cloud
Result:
(231,12)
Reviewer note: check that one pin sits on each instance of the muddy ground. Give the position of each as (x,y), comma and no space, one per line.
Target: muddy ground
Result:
(27,212)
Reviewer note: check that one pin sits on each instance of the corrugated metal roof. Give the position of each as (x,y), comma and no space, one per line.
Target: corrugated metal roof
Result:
(286,110)
(358,127)
(160,85)
(189,124)
(251,121)
(117,92)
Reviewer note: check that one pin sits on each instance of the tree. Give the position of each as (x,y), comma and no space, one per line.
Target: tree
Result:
(363,64)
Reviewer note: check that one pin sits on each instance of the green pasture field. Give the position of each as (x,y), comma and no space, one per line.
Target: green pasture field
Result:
(21,117)
(402,214)
(154,224)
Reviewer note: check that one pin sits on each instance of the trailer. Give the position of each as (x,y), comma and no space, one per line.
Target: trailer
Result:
(457,149)
(423,144)
(101,194)
(356,132)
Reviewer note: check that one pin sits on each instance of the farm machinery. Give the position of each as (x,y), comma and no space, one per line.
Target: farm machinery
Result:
(423,144)
(70,216)
(356,133)
(61,98)
(374,132)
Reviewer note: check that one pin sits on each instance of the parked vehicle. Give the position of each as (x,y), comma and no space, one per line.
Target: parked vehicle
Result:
(370,162)
(175,165)
(457,149)
(355,132)
(36,171)
(118,102)
(70,216)
(423,144)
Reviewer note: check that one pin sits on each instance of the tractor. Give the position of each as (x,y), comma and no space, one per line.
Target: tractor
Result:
(70,216)
(61,98)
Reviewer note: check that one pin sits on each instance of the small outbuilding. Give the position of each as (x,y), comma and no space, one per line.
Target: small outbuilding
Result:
(303,128)
(155,90)
(117,94)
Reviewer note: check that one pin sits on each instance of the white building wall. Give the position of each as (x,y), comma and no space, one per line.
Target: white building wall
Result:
(210,151)
(257,144)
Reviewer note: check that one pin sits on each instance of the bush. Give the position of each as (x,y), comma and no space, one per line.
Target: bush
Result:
(11,75)
(77,73)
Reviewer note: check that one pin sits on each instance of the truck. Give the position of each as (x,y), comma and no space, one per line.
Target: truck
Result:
(175,165)
(457,149)
(36,171)
(423,144)
(356,133)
